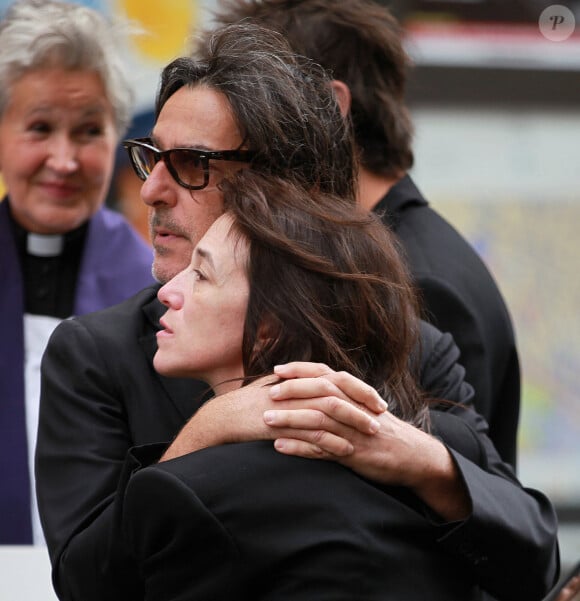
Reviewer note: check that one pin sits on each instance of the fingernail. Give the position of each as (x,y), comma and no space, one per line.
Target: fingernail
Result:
(270,417)
(275,390)
(279,445)
(279,368)
(374,426)
(382,403)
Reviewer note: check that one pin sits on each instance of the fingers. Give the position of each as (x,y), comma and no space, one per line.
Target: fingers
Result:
(358,391)
(325,447)
(316,379)
(302,369)
(330,416)
(568,593)
(305,388)
(335,409)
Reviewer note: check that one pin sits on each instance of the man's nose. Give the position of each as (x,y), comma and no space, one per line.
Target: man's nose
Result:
(159,188)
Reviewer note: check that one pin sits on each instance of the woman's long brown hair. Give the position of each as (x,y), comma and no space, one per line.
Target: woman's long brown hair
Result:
(327,284)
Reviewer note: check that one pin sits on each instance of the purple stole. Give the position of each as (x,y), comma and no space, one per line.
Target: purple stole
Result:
(116,264)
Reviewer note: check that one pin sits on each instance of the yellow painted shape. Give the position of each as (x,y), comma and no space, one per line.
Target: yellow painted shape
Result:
(167,26)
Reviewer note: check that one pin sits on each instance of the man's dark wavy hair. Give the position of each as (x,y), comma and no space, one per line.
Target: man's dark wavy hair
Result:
(282,103)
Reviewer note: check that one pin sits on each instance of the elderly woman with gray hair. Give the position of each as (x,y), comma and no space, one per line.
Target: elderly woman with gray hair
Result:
(64,103)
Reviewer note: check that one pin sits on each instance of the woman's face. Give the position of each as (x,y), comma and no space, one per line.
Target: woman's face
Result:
(57,145)
(207,302)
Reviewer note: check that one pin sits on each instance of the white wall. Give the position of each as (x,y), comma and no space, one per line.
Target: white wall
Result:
(25,574)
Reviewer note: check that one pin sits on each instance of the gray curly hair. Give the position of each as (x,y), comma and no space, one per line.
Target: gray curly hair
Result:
(36,34)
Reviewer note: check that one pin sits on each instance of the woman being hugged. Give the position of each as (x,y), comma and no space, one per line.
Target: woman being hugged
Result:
(287,274)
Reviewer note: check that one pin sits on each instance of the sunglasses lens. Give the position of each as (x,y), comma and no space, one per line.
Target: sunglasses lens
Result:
(143,160)
(188,166)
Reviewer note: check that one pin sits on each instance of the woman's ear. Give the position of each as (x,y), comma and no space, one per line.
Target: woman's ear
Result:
(343,97)
(266,334)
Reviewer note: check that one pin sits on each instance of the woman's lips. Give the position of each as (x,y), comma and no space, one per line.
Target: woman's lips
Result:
(166,330)
(61,190)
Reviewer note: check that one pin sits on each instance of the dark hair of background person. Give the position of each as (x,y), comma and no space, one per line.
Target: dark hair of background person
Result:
(360,43)
(326,285)
(293,123)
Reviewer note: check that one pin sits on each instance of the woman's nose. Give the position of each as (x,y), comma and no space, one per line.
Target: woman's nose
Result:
(63,156)
(170,294)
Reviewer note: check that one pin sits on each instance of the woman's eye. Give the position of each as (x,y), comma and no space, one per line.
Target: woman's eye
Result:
(90,131)
(198,275)
(39,127)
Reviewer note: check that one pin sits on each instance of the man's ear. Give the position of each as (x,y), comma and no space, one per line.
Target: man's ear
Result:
(343,97)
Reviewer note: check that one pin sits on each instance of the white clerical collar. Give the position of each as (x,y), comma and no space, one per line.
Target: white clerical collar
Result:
(44,245)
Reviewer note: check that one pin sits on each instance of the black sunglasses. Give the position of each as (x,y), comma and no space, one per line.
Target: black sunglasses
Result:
(189,167)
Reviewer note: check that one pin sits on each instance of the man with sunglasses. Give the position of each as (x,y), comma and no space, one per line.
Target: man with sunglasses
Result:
(189,167)
(246,100)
